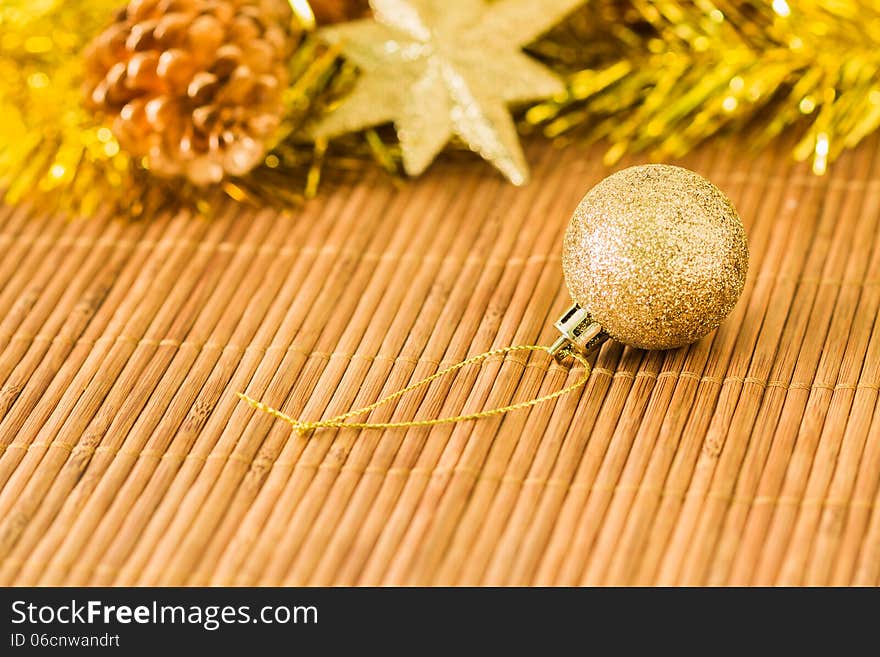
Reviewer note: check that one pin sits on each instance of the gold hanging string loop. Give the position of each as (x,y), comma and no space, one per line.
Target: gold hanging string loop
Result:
(340,420)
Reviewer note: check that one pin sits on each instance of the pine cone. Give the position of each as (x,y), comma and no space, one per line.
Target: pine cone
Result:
(328,12)
(193,86)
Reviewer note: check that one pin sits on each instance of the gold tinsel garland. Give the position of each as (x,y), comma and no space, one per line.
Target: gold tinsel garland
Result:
(657,76)
(47,139)
(664,75)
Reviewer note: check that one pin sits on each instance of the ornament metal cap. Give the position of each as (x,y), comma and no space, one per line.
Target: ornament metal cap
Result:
(579,332)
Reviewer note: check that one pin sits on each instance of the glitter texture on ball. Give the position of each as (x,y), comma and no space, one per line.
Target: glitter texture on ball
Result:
(657,255)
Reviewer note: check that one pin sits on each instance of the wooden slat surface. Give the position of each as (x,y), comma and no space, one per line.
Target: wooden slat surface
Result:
(751,457)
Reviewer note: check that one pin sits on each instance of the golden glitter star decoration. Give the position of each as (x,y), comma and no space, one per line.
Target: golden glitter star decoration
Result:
(443,68)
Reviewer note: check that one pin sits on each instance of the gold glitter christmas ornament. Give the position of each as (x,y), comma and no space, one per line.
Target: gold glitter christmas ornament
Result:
(655,257)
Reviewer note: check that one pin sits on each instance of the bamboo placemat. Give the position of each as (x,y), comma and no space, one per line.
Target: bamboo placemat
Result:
(751,457)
